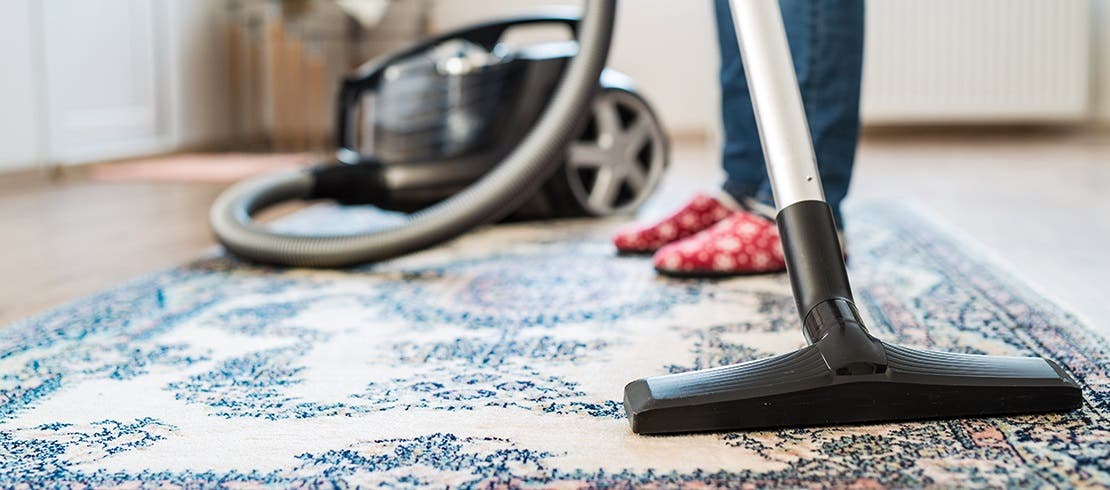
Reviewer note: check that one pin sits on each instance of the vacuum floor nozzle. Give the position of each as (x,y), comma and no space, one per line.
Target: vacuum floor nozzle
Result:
(847,377)
(844,376)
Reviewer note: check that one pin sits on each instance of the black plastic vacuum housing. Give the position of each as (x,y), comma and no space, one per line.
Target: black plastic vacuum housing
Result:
(845,375)
(430,120)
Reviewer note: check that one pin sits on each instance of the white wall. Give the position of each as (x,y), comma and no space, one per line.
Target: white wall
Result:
(105,66)
(1101,32)
(20,145)
(198,72)
(668,46)
(192,102)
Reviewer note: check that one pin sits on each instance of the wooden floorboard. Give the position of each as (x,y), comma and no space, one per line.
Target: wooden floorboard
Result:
(68,239)
(1038,200)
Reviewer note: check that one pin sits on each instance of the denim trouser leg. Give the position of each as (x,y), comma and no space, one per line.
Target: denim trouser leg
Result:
(741,154)
(826,43)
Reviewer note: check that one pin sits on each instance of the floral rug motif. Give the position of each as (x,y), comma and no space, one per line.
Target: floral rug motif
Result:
(500,359)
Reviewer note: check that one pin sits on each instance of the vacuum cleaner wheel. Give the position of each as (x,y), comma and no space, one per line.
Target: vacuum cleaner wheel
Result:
(619,157)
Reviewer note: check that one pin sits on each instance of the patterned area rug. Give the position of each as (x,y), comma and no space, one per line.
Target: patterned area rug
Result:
(500,359)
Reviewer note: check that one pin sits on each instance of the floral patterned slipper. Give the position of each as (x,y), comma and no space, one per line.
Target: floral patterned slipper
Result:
(700,213)
(743,243)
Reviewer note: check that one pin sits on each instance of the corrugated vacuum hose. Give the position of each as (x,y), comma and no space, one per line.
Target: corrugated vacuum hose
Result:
(492,197)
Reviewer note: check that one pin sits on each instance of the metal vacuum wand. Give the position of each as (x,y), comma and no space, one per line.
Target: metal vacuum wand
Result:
(844,375)
(779,112)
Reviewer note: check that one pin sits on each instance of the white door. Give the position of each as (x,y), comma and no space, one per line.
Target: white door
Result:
(105,71)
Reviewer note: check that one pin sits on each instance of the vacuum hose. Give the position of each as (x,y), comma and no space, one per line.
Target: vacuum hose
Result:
(492,197)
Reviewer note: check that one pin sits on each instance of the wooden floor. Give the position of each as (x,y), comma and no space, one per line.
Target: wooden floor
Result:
(1041,203)
(70,238)
(1039,200)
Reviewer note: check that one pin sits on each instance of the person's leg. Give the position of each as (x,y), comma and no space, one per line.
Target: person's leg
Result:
(742,159)
(741,153)
(826,42)
(835,95)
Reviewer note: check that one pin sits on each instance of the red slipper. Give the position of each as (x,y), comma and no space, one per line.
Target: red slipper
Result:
(700,213)
(743,243)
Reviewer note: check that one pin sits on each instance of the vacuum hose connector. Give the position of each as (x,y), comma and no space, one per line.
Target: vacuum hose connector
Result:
(492,197)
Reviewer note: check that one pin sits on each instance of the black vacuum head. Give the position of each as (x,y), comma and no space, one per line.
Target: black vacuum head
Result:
(847,377)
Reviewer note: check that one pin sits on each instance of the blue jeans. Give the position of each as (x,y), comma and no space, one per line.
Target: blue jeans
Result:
(826,42)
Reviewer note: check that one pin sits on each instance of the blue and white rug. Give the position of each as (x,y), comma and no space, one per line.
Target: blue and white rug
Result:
(499,361)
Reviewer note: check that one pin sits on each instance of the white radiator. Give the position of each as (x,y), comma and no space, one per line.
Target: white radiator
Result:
(976,61)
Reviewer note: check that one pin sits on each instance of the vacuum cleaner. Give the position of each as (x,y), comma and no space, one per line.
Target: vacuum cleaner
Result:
(437,116)
(465,129)
(845,375)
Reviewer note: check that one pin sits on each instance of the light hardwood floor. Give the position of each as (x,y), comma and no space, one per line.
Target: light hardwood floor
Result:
(69,238)
(1038,200)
